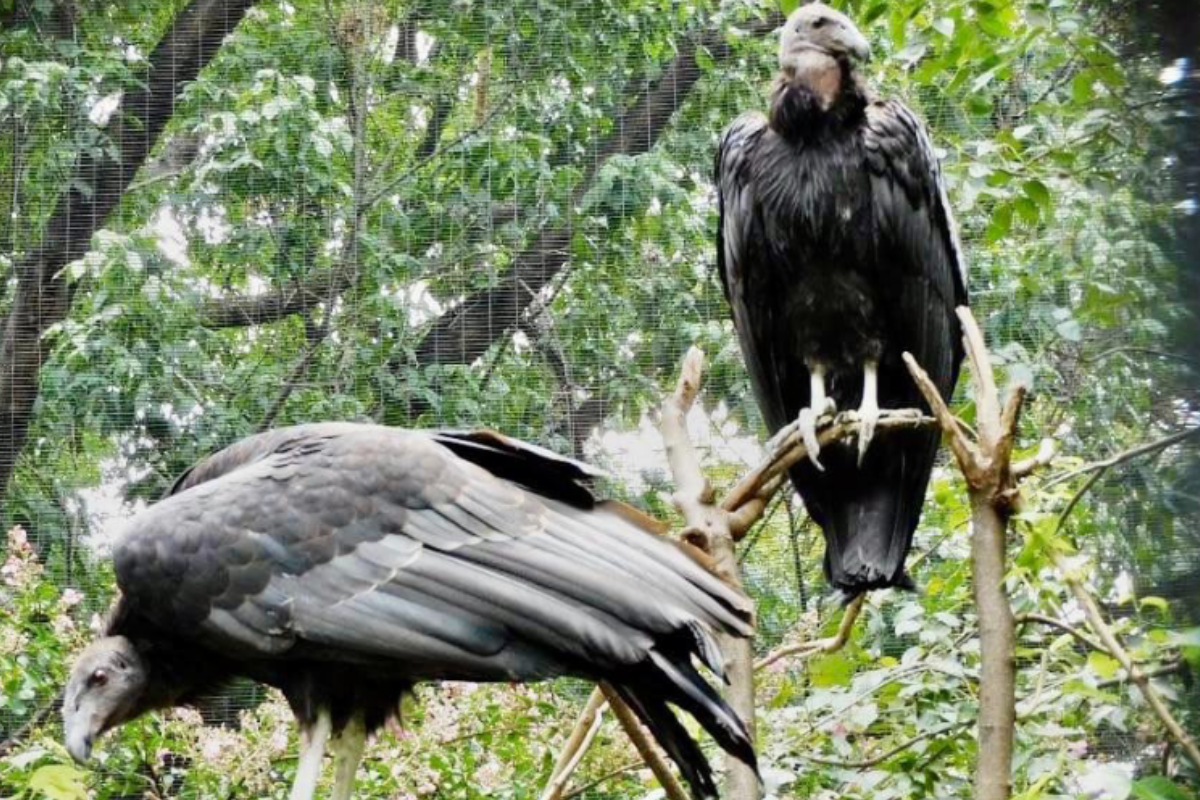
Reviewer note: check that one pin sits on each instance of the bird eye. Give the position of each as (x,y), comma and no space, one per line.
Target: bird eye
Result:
(97,678)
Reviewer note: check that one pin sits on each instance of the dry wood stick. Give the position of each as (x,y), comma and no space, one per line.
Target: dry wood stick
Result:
(992,487)
(577,744)
(829,644)
(641,741)
(708,526)
(1100,626)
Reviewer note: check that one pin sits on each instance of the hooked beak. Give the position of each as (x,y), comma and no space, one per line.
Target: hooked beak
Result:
(857,46)
(80,735)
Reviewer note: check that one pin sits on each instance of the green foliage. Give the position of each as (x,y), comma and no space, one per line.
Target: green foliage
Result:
(265,182)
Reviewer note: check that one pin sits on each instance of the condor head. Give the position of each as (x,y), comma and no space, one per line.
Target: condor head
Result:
(106,686)
(817,28)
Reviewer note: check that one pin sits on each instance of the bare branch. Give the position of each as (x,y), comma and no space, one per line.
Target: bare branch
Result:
(791,450)
(1047,450)
(1065,627)
(829,644)
(708,527)
(641,740)
(577,744)
(605,778)
(1127,455)
(1114,647)
(889,754)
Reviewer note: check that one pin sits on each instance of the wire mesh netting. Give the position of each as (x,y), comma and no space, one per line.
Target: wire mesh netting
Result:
(222,217)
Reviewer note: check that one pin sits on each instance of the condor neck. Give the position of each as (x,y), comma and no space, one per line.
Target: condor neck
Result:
(176,671)
(815,95)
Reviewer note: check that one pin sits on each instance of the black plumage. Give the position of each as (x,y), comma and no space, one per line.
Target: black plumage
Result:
(342,563)
(838,252)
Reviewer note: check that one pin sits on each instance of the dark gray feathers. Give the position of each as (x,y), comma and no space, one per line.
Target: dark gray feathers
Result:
(418,556)
(835,244)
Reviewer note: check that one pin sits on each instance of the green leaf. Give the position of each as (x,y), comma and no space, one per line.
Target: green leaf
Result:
(58,782)
(1081,88)
(944,26)
(831,670)
(788,6)
(1158,787)
(1104,666)
(1157,603)
(1001,223)
(1037,191)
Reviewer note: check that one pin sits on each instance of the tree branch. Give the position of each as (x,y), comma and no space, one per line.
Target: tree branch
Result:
(1112,644)
(97,183)
(645,747)
(577,744)
(1065,627)
(992,487)
(889,754)
(830,644)
(1126,455)
(708,527)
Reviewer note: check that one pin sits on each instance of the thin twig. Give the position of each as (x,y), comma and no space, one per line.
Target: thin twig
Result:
(827,645)
(895,751)
(578,743)
(390,185)
(1102,629)
(605,778)
(37,720)
(1065,627)
(1125,455)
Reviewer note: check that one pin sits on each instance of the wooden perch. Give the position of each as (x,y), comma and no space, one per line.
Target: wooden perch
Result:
(709,527)
(824,646)
(992,486)
(645,746)
(715,527)
(577,744)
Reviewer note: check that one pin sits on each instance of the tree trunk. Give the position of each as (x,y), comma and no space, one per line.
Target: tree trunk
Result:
(95,187)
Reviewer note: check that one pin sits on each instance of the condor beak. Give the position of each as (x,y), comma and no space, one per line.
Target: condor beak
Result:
(857,46)
(79,733)
(79,745)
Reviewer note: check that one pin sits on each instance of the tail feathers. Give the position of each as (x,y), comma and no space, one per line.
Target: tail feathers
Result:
(869,514)
(669,677)
(674,738)
(708,651)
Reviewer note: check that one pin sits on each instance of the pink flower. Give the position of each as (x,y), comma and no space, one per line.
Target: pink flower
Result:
(18,539)
(71,598)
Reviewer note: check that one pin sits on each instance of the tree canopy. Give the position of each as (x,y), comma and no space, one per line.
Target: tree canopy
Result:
(222,216)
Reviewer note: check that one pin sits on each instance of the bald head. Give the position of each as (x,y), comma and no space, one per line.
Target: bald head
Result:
(105,689)
(817,28)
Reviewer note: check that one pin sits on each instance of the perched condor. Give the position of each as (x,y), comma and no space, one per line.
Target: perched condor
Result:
(342,563)
(838,252)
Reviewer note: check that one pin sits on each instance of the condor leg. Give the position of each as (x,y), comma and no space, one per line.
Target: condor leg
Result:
(819,404)
(312,751)
(347,753)
(868,411)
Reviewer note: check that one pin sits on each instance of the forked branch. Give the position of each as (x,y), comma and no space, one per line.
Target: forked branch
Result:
(992,486)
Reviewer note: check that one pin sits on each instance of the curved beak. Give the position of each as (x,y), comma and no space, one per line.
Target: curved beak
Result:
(79,734)
(857,45)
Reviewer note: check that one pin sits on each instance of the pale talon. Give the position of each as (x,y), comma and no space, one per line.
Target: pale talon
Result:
(807,423)
(868,418)
(868,411)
